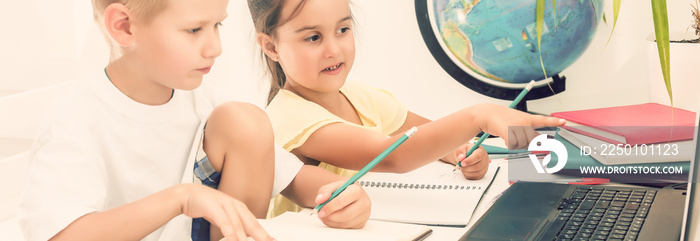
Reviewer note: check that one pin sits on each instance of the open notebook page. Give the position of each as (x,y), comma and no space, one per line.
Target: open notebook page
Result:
(433,194)
(293,226)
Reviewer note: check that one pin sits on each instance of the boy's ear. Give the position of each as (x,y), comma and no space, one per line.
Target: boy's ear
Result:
(118,23)
(268,46)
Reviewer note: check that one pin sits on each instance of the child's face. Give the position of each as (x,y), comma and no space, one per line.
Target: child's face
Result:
(180,44)
(317,47)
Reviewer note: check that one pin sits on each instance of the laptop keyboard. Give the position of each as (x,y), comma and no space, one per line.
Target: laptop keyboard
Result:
(596,213)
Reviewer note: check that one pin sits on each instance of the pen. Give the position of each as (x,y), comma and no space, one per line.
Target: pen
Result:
(590,181)
(366,169)
(500,150)
(578,181)
(423,236)
(527,154)
(486,135)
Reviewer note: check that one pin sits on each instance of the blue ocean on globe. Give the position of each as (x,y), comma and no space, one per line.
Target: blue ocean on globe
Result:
(497,39)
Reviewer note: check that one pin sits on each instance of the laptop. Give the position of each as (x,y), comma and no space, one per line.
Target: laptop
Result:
(551,211)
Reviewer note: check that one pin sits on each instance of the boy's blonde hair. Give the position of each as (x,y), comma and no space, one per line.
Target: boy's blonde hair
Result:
(145,9)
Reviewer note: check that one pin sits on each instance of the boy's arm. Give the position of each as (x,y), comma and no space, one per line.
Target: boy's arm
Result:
(114,223)
(136,220)
(313,185)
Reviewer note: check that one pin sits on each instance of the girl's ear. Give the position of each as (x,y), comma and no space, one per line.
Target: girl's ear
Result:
(117,22)
(268,46)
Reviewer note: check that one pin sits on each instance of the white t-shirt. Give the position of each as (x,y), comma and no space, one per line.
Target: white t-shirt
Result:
(100,149)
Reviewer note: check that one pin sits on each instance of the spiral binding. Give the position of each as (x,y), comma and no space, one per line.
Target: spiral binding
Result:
(372,184)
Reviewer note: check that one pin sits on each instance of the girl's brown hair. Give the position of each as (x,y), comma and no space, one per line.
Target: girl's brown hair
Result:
(266,18)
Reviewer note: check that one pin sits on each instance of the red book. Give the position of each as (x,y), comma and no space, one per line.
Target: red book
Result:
(632,124)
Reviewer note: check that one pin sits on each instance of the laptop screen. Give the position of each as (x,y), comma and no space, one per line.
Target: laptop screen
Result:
(691,218)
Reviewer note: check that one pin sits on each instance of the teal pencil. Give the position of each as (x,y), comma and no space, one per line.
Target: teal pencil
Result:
(369,166)
(486,135)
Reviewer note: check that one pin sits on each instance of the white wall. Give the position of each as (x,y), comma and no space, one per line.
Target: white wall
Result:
(47,42)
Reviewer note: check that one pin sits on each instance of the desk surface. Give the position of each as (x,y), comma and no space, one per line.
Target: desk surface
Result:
(500,184)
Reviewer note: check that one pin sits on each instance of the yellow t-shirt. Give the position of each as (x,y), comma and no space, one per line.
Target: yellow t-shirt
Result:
(294,119)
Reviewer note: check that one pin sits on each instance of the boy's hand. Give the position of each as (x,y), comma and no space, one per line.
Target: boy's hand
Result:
(230,215)
(350,209)
(476,165)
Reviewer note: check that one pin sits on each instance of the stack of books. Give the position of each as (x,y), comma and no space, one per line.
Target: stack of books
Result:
(643,133)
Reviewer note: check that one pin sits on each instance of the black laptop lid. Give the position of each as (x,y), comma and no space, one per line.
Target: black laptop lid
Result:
(690,221)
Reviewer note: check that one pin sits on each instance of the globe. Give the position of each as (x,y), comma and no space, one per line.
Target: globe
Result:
(496,40)
(490,46)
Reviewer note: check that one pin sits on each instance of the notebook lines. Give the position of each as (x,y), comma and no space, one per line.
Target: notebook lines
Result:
(377,184)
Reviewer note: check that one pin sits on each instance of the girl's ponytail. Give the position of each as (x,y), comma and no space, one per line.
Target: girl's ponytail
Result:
(266,18)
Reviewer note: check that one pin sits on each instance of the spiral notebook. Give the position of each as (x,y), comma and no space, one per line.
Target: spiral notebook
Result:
(433,194)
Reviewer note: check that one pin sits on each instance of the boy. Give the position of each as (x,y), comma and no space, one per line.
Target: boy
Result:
(119,154)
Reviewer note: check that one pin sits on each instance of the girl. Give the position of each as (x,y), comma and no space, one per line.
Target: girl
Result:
(309,49)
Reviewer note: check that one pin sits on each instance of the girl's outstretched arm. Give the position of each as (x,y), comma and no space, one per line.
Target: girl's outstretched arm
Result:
(474,167)
(352,147)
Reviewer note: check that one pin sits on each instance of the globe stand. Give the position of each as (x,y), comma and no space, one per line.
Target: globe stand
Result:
(558,85)
(522,106)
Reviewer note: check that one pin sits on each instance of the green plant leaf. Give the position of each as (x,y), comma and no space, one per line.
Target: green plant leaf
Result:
(539,21)
(659,12)
(616,11)
(554,12)
(604,20)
